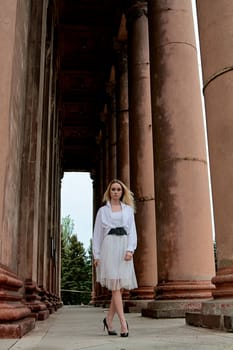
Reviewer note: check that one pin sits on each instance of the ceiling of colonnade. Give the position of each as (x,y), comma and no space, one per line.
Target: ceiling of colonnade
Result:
(85,47)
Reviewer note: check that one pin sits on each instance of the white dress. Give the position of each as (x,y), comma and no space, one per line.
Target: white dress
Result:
(113,271)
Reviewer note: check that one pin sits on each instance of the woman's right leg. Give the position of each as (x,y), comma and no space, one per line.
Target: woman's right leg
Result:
(111,314)
(118,308)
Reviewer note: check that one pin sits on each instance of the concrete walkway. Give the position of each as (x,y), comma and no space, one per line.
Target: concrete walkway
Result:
(76,328)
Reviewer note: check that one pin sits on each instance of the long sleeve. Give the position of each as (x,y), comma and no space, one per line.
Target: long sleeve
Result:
(132,234)
(98,235)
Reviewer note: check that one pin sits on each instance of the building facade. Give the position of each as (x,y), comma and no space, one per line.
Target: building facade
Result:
(113,88)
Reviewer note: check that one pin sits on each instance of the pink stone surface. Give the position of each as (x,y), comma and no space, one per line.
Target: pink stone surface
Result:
(215,33)
(12,313)
(183,212)
(17,329)
(141,153)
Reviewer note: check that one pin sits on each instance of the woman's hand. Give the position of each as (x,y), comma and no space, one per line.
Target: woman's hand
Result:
(96,262)
(128,256)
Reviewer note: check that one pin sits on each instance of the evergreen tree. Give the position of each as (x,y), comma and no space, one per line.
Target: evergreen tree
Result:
(67,229)
(89,267)
(76,267)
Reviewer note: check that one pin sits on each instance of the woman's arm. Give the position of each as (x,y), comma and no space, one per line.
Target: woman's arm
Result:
(132,233)
(97,235)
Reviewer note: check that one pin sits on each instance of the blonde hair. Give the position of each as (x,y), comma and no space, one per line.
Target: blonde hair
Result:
(127,196)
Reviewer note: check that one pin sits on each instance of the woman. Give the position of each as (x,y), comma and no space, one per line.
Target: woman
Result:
(114,242)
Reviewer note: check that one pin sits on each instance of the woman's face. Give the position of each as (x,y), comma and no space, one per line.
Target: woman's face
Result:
(115,191)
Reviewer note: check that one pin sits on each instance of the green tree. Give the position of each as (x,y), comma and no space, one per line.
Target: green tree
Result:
(215,256)
(76,274)
(89,267)
(67,229)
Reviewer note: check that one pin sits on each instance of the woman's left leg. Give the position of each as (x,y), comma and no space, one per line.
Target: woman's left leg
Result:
(118,304)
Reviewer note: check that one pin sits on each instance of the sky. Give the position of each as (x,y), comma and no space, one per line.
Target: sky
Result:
(76,201)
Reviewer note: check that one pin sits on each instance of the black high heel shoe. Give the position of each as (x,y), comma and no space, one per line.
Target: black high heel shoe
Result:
(126,334)
(106,325)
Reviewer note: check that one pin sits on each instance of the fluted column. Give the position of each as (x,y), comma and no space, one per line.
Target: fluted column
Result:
(122,106)
(216,33)
(184,230)
(141,148)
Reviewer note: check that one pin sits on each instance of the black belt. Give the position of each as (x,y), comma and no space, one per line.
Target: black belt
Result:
(118,231)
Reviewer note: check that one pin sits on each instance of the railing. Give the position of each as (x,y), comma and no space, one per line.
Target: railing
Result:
(75,297)
(75,291)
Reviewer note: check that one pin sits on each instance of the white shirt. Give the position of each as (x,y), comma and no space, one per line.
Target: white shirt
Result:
(104,223)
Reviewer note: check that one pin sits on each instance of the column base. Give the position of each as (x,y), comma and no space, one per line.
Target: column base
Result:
(224,283)
(52,301)
(184,290)
(214,314)
(131,306)
(39,311)
(103,298)
(143,293)
(33,301)
(171,308)
(15,316)
(13,312)
(16,329)
(45,298)
(134,299)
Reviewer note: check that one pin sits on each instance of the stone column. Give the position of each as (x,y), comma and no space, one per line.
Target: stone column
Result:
(217,69)
(7,39)
(99,294)
(183,212)
(28,251)
(216,31)
(111,125)
(14,27)
(52,202)
(102,154)
(55,291)
(103,168)
(123,171)
(141,149)
(57,231)
(48,110)
(15,318)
